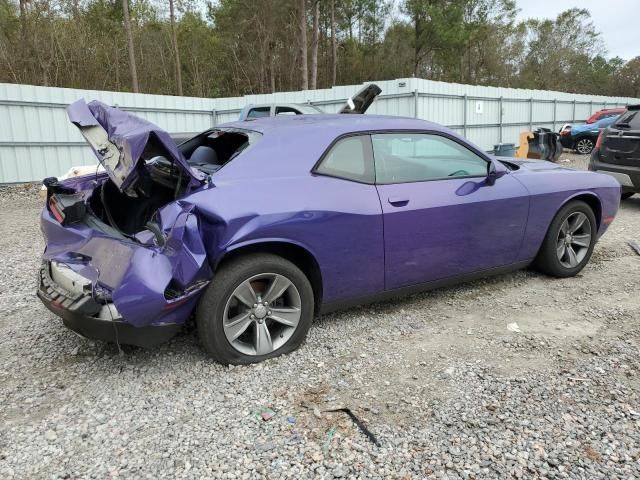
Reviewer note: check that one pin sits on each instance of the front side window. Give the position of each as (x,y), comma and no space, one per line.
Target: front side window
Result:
(417,157)
(350,158)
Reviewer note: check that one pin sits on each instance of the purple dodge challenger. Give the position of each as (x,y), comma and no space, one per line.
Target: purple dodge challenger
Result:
(253,227)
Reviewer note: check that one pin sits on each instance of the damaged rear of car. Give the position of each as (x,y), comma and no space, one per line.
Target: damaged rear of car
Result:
(125,258)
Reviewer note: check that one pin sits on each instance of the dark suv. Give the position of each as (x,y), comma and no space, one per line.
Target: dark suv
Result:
(617,151)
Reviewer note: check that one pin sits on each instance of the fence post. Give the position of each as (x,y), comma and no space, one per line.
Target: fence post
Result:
(415,103)
(531,113)
(464,116)
(214,117)
(555,105)
(573,113)
(500,122)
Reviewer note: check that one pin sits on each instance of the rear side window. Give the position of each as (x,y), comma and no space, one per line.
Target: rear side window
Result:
(350,158)
(629,119)
(259,112)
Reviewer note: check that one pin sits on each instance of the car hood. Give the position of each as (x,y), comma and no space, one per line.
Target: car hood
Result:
(122,142)
(583,128)
(592,127)
(532,164)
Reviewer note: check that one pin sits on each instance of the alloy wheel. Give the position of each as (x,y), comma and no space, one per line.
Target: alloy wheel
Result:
(584,146)
(574,240)
(262,314)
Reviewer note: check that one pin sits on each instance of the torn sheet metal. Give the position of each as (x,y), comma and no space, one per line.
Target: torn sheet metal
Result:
(121,142)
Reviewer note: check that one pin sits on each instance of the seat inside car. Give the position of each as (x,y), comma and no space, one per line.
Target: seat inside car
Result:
(205,158)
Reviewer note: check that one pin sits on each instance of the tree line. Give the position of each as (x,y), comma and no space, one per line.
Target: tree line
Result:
(238,47)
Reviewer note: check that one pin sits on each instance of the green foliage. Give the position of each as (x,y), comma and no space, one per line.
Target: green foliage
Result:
(235,47)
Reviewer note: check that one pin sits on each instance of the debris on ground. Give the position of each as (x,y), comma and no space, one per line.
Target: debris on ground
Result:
(359,423)
(327,443)
(513,327)
(264,413)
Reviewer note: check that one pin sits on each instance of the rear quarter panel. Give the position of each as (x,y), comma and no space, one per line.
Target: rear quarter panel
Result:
(338,221)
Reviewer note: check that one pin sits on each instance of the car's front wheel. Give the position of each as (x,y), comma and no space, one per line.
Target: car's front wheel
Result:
(584,145)
(569,242)
(258,306)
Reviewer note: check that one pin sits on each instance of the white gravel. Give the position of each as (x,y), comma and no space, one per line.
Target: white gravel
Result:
(447,388)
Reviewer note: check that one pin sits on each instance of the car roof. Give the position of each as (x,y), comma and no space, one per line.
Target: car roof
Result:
(293,144)
(336,124)
(278,104)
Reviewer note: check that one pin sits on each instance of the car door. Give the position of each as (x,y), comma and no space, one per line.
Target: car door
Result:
(441,216)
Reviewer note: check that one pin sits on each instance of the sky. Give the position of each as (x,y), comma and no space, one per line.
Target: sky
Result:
(618,21)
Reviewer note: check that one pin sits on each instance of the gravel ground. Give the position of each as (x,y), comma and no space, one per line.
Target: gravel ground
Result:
(448,390)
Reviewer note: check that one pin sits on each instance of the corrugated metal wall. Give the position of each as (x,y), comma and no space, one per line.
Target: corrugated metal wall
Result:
(36,139)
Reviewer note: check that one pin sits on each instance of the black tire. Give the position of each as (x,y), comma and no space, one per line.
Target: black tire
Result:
(584,145)
(547,260)
(211,308)
(626,195)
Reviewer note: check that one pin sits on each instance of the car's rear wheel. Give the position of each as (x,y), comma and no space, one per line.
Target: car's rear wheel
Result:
(626,195)
(584,145)
(569,242)
(258,306)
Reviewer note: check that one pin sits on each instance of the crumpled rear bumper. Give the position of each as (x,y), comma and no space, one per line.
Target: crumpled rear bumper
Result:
(81,313)
(153,288)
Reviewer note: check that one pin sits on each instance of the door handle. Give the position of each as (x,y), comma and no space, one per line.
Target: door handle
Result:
(398,201)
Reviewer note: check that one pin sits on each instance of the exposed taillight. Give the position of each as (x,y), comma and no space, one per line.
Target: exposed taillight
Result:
(55,209)
(599,141)
(67,209)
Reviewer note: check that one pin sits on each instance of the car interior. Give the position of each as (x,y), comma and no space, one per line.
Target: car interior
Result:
(162,181)
(211,150)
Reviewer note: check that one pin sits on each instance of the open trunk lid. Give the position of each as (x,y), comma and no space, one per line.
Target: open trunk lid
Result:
(362,99)
(122,142)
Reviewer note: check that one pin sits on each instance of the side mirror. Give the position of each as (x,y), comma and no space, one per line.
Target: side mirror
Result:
(492,174)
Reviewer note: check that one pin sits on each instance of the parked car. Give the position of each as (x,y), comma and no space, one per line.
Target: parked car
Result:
(293,217)
(582,138)
(617,151)
(599,115)
(270,110)
(358,103)
(605,113)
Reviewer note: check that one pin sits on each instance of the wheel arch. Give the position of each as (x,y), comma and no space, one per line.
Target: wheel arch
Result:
(297,254)
(590,199)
